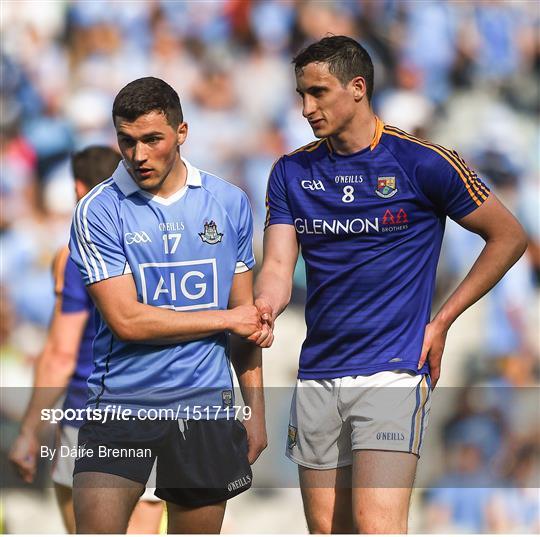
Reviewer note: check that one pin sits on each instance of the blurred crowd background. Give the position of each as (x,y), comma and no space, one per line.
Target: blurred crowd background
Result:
(462,74)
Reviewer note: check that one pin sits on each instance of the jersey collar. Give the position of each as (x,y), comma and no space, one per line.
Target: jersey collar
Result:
(128,186)
(379,125)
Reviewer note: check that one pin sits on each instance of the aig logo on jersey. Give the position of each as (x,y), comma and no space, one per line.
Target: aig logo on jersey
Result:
(386,187)
(316,184)
(137,237)
(180,285)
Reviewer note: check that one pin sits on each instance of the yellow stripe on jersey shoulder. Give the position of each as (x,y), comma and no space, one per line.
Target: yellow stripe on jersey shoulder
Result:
(308,147)
(476,190)
(266,198)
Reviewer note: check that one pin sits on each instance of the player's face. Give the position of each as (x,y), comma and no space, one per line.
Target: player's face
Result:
(149,146)
(326,104)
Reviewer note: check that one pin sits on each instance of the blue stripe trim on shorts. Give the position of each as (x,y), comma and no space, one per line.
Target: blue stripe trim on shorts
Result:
(428,378)
(414,415)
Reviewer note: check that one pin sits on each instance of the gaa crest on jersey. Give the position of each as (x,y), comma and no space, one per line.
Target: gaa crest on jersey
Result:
(210,233)
(291,436)
(386,187)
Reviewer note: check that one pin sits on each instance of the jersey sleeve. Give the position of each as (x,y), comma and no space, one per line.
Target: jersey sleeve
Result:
(245,259)
(74,295)
(447,181)
(96,246)
(277,204)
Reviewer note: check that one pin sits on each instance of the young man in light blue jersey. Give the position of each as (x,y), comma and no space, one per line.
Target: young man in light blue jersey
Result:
(165,249)
(367,203)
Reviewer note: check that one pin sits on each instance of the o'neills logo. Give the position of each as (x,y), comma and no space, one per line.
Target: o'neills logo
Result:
(390,436)
(239,483)
(335,227)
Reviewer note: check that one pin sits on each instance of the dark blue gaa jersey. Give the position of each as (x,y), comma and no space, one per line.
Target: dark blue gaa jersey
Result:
(70,288)
(370,227)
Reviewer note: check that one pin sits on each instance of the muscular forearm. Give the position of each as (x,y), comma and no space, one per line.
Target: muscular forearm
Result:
(52,374)
(247,362)
(41,398)
(492,264)
(274,288)
(131,320)
(145,323)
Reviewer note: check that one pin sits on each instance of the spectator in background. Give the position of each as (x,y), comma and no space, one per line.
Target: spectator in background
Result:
(459,501)
(508,310)
(516,508)
(220,124)
(429,44)
(25,239)
(170,56)
(406,105)
(498,26)
(269,147)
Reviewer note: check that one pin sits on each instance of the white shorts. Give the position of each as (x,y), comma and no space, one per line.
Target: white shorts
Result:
(63,463)
(332,417)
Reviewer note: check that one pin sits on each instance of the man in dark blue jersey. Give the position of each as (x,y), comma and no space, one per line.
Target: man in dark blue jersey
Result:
(367,204)
(66,363)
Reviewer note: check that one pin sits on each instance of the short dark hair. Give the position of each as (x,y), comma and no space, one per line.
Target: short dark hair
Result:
(146,95)
(94,164)
(346,58)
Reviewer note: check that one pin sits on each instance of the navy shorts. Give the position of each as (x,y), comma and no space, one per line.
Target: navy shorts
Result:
(199,462)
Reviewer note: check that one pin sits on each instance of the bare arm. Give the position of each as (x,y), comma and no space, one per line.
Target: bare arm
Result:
(53,372)
(246,358)
(130,320)
(505,244)
(274,284)
(56,364)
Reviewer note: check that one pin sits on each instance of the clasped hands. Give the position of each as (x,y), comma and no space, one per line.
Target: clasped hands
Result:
(254,323)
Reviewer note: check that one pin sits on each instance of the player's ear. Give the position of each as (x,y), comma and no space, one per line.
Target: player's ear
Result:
(181,133)
(80,189)
(358,85)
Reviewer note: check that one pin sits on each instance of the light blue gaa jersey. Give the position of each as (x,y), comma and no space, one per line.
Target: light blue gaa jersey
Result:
(183,252)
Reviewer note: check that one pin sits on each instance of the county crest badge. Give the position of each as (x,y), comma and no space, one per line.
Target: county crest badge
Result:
(227,397)
(291,437)
(210,233)
(386,187)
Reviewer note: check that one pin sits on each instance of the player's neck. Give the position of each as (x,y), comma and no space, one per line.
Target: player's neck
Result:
(175,180)
(357,136)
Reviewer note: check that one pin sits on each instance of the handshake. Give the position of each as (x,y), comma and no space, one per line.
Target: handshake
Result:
(254,323)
